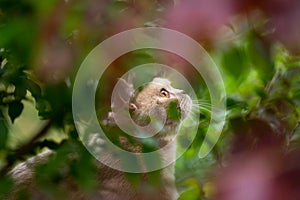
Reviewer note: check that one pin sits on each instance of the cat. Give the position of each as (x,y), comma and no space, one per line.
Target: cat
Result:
(153,99)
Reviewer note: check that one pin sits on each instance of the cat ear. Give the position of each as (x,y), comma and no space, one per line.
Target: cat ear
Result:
(130,78)
(162,73)
(123,93)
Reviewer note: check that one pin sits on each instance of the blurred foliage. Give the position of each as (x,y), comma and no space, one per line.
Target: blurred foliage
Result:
(42,44)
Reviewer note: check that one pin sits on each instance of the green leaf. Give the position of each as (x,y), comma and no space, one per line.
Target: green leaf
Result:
(5,187)
(86,181)
(134,179)
(193,191)
(232,102)
(259,55)
(34,89)
(3,131)
(172,111)
(20,92)
(15,109)
(149,144)
(235,63)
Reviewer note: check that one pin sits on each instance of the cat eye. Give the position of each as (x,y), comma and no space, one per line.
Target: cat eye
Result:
(164,93)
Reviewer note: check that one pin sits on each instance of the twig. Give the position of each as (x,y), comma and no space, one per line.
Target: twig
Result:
(274,79)
(292,134)
(23,150)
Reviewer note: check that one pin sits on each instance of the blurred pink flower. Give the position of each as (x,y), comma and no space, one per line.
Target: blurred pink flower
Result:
(268,174)
(247,177)
(283,17)
(199,19)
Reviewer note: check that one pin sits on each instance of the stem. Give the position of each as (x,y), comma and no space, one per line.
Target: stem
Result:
(23,150)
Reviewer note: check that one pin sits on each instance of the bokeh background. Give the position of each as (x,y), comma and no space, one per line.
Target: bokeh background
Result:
(255,44)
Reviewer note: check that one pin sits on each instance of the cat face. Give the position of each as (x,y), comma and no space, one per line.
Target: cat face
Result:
(160,97)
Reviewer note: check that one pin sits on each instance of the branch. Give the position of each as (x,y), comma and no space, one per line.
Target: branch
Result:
(25,149)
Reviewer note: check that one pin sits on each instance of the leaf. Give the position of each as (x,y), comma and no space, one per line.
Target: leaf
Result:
(48,143)
(232,102)
(134,179)
(86,181)
(34,89)
(234,62)
(5,187)
(20,92)
(149,144)
(259,55)
(173,112)
(3,131)
(15,109)
(44,108)
(193,191)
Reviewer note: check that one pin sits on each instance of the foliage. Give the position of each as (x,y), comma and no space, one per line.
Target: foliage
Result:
(42,44)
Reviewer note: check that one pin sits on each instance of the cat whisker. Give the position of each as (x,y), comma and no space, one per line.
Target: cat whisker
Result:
(205,107)
(201,103)
(197,110)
